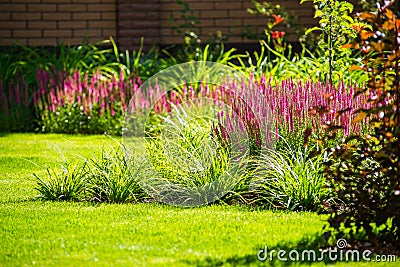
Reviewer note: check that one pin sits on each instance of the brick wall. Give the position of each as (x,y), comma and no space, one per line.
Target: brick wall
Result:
(151,19)
(228,16)
(137,18)
(50,22)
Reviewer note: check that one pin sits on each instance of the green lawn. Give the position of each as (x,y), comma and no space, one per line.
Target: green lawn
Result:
(35,232)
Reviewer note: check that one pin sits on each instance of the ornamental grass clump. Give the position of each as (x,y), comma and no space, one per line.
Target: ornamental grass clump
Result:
(109,177)
(114,178)
(66,184)
(290,179)
(188,165)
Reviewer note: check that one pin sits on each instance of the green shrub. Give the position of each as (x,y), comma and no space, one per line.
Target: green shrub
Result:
(365,169)
(73,119)
(76,104)
(277,60)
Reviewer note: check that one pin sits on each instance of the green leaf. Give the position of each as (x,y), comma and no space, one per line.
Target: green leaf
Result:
(312,29)
(323,21)
(349,6)
(348,18)
(318,13)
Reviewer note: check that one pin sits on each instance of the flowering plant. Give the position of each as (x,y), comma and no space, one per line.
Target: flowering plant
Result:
(277,19)
(79,104)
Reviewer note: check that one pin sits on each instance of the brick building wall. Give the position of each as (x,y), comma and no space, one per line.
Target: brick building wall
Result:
(136,19)
(228,16)
(50,22)
(151,19)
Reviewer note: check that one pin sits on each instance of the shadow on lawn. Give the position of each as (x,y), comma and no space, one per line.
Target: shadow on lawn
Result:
(308,243)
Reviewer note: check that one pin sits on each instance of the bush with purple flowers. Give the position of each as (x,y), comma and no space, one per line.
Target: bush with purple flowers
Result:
(82,104)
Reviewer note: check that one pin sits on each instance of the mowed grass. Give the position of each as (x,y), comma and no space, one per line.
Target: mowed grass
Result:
(43,233)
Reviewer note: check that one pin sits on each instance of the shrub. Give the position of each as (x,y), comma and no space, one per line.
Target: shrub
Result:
(79,104)
(277,60)
(365,169)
